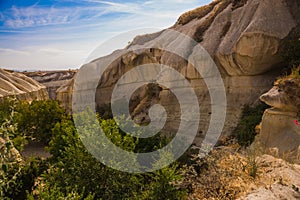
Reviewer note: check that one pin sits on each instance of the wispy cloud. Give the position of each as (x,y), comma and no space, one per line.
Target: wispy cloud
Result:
(59,36)
(13,51)
(33,16)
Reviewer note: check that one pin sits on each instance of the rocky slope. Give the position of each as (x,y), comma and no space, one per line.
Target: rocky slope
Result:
(52,79)
(243,37)
(231,173)
(59,85)
(21,86)
(279,180)
(280,131)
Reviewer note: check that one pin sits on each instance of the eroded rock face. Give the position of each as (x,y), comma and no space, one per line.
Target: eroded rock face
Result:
(285,95)
(280,180)
(21,86)
(280,133)
(244,39)
(64,95)
(52,79)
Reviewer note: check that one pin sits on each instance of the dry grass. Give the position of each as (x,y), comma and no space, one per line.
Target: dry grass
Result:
(196,13)
(232,173)
(198,36)
(224,174)
(295,74)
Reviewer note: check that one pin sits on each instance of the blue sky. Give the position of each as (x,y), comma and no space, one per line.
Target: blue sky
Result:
(60,34)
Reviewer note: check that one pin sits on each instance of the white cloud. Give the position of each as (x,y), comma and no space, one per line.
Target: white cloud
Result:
(13,51)
(59,37)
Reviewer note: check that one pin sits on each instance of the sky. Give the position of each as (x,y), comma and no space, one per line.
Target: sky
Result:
(61,34)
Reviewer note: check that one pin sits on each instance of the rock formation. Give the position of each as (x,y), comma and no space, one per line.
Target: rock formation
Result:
(280,132)
(64,95)
(21,86)
(59,85)
(52,79)
(279,180)
(243,37)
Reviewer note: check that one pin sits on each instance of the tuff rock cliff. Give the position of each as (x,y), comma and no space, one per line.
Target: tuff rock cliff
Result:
(243,37)
(59,85)
(21,86)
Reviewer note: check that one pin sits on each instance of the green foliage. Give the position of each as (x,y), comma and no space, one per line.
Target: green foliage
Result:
(160,188)
(24,180)
(9,158)
(291,52)
(55,193)
(251,117)
(74,167)
(33,121)
(38,118)
(72,172)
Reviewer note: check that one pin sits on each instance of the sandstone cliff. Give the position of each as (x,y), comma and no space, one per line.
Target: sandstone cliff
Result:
(21,86)
(59,85)
(243,37)
(64,95)
(52,79)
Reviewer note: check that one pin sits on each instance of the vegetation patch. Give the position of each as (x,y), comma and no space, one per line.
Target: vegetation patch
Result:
(196,13)
(291,51)
(198,36)
(245,131)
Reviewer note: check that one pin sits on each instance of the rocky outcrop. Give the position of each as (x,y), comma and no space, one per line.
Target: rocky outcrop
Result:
(21,86)
(280,133)
(52,79)
(279,180)
(244,39)
(64,95)
(59,85)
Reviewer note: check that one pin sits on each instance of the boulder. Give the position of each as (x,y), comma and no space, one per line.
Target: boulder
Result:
(280,131)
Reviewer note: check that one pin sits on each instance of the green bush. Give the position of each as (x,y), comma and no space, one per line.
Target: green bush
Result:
(38,118)
(72,172)
(25,179)
(291,52)
(251,117)
(33,120)
(74,167)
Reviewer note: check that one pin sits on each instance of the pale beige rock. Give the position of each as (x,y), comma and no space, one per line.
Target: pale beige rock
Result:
(279,134)
(285,95)
(251,45)
(64,95)
(52,79)
(280,180)
(21,86)
(244,40)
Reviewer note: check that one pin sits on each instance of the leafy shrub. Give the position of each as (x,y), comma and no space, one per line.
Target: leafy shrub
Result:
(32,120)
(74,167)
(291,52)
(38,118)
(72,172)
(25,179)
(245,130)
(55,193)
